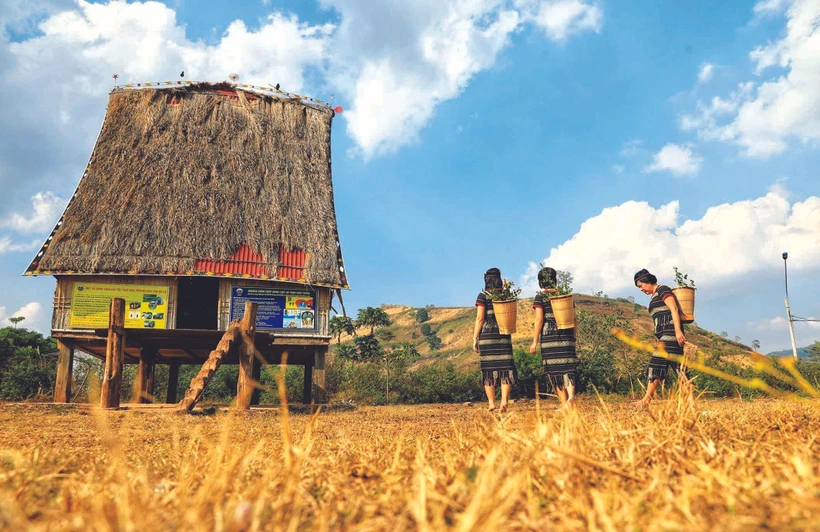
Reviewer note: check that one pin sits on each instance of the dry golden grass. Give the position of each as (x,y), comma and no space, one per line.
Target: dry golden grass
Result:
(723,465)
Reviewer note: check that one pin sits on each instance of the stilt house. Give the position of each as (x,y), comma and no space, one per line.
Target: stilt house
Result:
(196,199)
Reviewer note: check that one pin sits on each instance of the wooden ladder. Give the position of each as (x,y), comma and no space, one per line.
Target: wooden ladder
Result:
(233,338)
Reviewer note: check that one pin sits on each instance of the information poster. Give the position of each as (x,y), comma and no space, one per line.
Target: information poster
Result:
(146,307)
(278,308)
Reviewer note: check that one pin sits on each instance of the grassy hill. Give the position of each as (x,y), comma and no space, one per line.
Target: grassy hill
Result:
(454,325)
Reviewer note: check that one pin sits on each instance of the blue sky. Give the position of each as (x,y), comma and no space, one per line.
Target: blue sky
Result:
(607,136)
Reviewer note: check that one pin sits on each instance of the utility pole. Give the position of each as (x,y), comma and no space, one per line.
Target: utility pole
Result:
(788,310)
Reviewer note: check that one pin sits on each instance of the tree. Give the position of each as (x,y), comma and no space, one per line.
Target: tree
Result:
(386,335)
(340,325)
(347,352)
(426,330)
(755,345)
(631,299)
(434,342)
(369,348)
(724,334)
(396,360)
(372,317)
(14,321)
(25,369)
(422,315)
(737,339)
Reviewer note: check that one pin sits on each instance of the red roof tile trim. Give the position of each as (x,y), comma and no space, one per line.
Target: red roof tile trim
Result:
(247,262)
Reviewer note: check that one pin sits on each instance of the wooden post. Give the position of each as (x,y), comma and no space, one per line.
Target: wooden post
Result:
(307,390)
(112,378)
(173,383)
(257,376)
(319,394)
(145,376)
(65,369)
(247,352)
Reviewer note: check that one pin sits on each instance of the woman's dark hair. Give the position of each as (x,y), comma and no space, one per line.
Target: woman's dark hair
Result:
(645,277)
(492,279)
(547,278)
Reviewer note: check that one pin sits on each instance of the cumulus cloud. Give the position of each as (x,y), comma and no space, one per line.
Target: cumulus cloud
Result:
(45,208)
(397,61)
(393,61)
(762,117)
(30,311)
(705,72)
(675,158)
(729,240)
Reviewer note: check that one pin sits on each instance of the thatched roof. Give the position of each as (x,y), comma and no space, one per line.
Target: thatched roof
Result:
(184,174)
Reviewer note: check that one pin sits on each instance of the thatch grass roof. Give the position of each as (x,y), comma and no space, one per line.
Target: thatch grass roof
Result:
(189,173)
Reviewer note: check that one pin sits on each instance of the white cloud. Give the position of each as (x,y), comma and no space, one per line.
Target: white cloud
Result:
(618,168)
(30,311)
(675,158)
(762,117)
(397,61)
(8,246)
(706,71)
(731,239)
(563,18)
(45,209)
(393,61)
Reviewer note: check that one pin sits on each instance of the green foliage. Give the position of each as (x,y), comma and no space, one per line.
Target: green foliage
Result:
(683,279)
(530,369)
(385,335)
(600,353)
(373,318)
(422,315)
(434,342)
(440,383)
(426,330)
(340,325)
(14,321)
(347,352)
(755,344)
(505,293)
(368,348)
(28,364)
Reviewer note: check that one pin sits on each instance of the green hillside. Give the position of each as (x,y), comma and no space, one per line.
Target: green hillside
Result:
(454,326)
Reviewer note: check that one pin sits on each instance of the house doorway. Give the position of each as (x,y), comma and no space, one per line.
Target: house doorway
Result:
(198,303)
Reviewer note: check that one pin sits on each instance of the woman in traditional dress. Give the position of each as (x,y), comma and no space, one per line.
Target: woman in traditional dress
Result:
(664,310)
(494,349)
(557,345)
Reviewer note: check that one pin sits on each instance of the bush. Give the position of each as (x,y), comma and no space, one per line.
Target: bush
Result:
(434,342)
(530,369)
(426,330)
(422,315)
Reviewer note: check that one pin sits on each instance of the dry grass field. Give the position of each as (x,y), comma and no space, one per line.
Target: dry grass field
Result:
(726,465)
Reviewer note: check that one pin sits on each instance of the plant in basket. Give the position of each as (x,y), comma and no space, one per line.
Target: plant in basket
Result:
(685,294)
(505,306)
(561,300)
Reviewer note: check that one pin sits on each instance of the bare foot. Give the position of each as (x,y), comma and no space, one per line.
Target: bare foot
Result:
(503,408)
(491,408)
(571,402)
(642,404)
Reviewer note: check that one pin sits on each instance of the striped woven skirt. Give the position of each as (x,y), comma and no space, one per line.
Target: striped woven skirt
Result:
(559,356)
(496,358)
(659,367)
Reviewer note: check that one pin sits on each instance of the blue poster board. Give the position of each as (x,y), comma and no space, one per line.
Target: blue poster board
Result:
(278,308)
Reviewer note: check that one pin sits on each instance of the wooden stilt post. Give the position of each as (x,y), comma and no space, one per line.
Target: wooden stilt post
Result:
(319,394)
(307,390)
(65,368)
(257,375)
(173,382)
(145,376)
(112,378)
(247,351)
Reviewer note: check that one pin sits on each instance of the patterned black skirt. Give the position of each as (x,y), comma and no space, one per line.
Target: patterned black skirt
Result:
(659,367)
(559,355)
(496,357)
